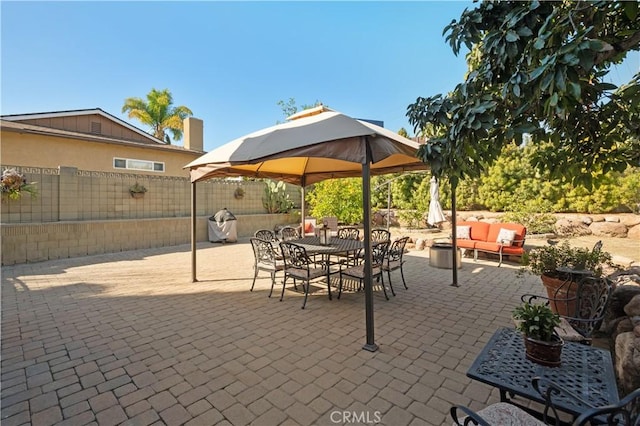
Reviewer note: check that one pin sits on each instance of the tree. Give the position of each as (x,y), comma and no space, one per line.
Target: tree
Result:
(158,113)
(289,107)
(537,68)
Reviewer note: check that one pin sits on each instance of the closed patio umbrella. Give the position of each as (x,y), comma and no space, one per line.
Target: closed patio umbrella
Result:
(436,215)
(309,149)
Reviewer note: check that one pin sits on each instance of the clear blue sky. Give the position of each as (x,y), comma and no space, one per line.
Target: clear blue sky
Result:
(230,62)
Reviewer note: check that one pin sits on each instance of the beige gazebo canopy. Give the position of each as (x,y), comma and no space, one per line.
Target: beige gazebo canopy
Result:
(317,145)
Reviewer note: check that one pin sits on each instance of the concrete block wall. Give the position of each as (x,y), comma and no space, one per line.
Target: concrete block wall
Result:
(67,194)
(25,243)
(80,213)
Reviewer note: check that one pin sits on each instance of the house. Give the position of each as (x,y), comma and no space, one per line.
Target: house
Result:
(92,139)
(84,164)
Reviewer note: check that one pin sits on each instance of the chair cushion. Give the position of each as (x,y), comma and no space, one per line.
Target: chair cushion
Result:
(270,266)
(505,414)
(358,271)
(392,266)
(302,273)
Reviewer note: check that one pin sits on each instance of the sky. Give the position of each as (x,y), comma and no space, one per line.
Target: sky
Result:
(231,62)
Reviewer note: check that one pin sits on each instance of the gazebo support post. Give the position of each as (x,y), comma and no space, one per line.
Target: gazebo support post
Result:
(368,285)
(193,232)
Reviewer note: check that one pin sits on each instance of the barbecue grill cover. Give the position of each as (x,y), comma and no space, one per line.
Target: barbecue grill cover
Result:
(222,227)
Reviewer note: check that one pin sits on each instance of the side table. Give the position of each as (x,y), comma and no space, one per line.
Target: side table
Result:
(585,371)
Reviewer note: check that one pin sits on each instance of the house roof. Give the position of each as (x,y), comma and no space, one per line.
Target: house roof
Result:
(76,112)
(13,123)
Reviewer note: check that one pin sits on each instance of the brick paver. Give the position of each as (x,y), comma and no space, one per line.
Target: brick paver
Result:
(126,338)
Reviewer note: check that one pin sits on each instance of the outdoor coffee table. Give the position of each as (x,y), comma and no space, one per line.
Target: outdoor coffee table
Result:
(585,371)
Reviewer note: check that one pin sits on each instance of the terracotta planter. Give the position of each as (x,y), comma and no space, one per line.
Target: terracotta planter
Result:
(544,353)
(137,194)
(558,288)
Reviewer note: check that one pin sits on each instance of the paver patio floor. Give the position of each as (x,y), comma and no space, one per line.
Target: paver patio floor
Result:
(126,338)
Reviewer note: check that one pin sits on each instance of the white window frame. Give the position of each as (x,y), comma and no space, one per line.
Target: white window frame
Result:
(135,164)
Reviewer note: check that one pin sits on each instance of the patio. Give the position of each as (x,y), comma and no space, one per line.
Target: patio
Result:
(126,338)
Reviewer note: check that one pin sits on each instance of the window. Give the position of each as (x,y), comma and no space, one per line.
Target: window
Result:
(131,164)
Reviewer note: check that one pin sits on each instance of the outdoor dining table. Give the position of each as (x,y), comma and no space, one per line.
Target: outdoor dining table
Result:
(336,246)
(585,371)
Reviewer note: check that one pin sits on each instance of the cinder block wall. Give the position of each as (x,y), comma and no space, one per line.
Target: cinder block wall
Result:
(79,213)
(25,243)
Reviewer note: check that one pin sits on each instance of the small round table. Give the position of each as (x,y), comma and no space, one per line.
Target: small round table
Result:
(440,256)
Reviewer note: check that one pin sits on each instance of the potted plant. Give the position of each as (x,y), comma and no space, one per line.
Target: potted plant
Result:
(14,184)
(137,190)
(238,194)
(545,261)
(537,323)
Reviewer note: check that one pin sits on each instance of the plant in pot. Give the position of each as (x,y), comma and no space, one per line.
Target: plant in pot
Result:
(537,323)
(573,263)
(137,190)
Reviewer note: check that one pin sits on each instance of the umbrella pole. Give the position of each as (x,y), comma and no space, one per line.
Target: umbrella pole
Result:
(368,285)
(193,232)
(454,245)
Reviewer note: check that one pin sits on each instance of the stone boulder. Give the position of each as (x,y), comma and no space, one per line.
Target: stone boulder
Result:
(608,229)
(571,227)
(420,244)
(627,353)
(634,232)
(630,220)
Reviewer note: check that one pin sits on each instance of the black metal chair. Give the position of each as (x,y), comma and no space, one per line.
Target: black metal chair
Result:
(299,266)
(394,260)
(380,235)
(586,309)
(624,412)
(265,259)
(349,233)
(266,234)
(378,252)
(289,233)
(353,257)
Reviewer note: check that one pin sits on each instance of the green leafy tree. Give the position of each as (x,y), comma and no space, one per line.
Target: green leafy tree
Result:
(341,198)
(159,113)
(289,107)
(537,68)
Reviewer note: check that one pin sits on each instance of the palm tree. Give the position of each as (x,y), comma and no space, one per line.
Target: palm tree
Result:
(158,113)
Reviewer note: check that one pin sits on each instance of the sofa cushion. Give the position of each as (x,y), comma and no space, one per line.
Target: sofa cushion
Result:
(467,244)
(479,230)
(495,228)
(463,232)
(506,236)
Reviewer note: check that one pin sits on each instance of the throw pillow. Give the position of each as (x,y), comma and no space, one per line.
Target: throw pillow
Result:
(463,232)
(506,237)
(308,228)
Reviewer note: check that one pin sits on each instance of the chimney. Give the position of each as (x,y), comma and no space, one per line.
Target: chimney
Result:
(193,134)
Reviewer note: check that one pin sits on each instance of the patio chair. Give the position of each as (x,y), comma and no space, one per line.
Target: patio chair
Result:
(289,233)
(625,412)
(265,259)
(380,235)
(587,306)
(394,260)
(299,266)
(265,234)
(378,253)
(350,233)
